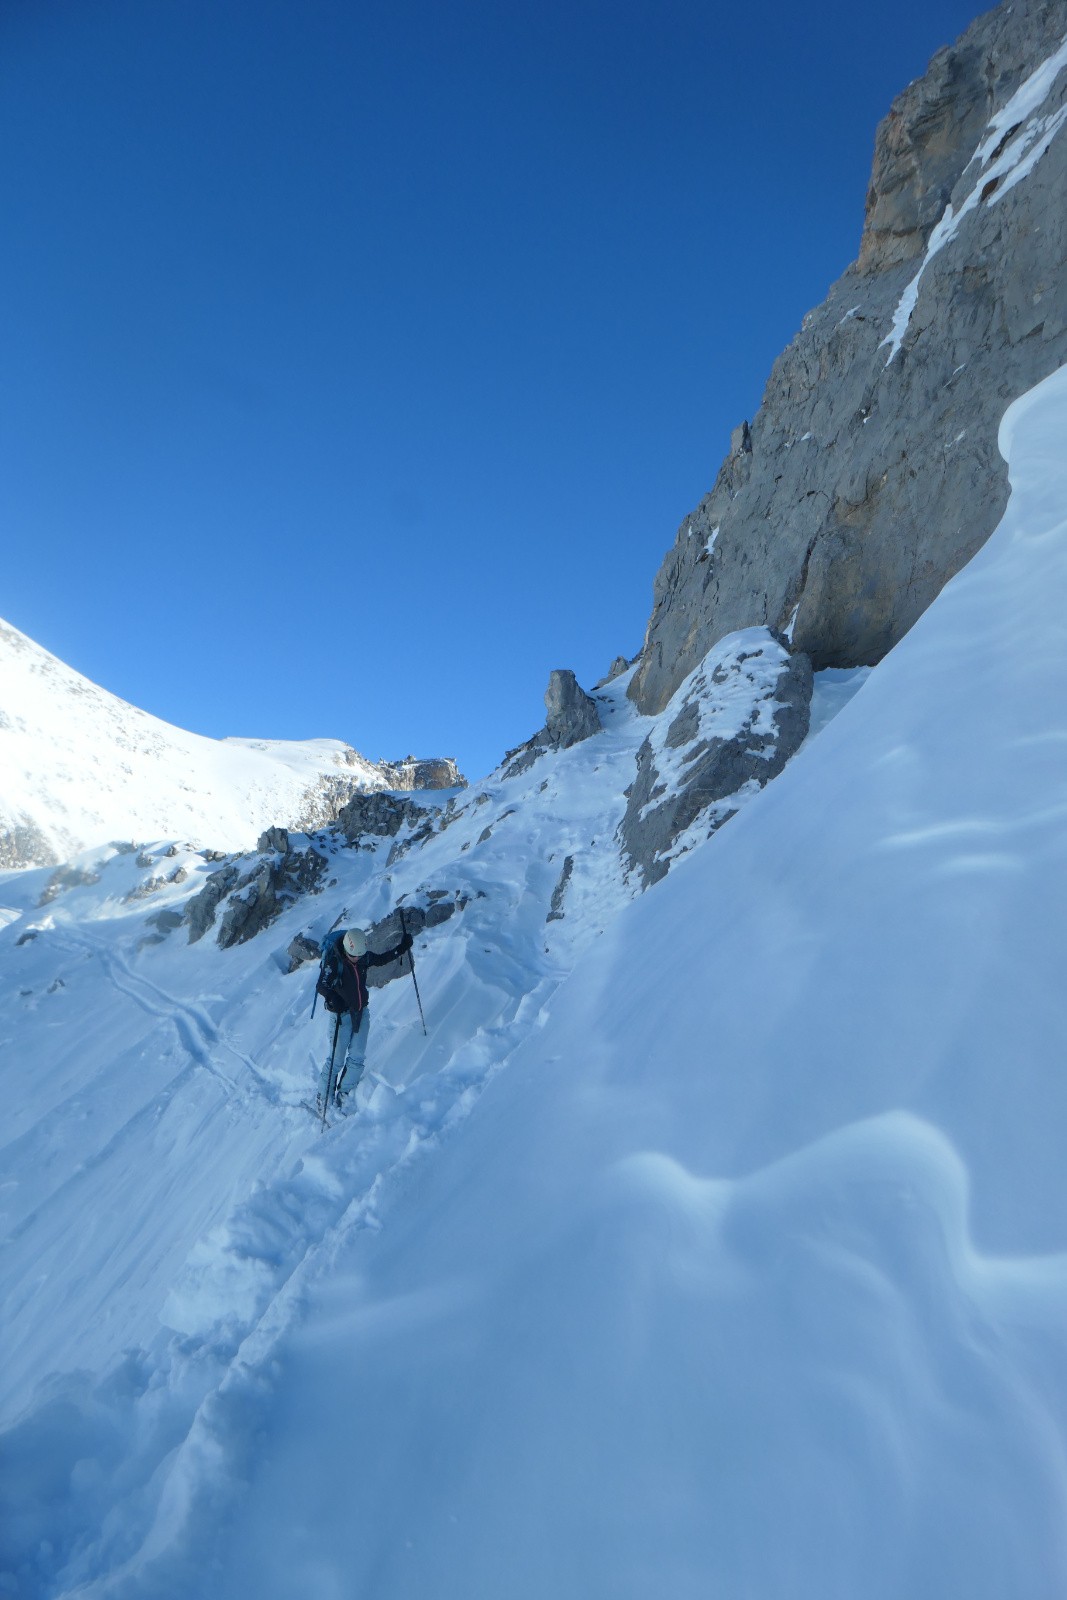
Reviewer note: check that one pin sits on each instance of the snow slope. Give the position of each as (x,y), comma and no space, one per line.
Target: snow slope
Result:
(749,1275)
(78,766)
(713,1243)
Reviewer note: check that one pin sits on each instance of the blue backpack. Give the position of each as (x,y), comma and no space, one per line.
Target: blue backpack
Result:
(330,972)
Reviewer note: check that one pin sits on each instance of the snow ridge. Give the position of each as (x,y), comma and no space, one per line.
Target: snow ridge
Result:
(80,767)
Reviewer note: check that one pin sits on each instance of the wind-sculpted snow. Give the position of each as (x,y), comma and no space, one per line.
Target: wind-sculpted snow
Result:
(749,1274)
(712,1242)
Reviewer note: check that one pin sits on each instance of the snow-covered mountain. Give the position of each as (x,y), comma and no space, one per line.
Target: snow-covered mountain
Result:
(680,1197)
(713,1237)
(78,767)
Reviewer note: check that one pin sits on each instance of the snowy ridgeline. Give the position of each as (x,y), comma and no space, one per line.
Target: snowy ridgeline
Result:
(79,766)
(713,1241)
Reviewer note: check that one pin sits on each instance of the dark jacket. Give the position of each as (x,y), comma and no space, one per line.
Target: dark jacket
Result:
(343,982)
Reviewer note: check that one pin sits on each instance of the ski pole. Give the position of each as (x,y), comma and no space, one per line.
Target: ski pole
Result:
(329,1076)
(411,958)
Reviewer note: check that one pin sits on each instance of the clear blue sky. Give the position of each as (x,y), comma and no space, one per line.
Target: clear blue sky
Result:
(360,360)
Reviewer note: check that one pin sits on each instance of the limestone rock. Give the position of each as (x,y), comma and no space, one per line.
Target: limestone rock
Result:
(379,814)
(301,950)
(871,481)
(22,844)
(438,772)
(572,717)
(65,878)
(200,909)
(439,907)
(572,714)
(276,839)
(559,893)
(617,668)
(738,721)
(259,898)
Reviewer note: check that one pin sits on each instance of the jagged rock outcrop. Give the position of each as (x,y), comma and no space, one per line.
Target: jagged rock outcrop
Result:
(559,894)
(65,878)
(436,772)
(201,908)
(255,895)
(432,908)
(274,839)
(870,474)
(22,844)
(736,722)
(572,716)
(380,815)
(439,906)
(617,668)
(150,886)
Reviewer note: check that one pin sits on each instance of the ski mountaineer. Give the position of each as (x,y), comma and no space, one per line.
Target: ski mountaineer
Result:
(343,987)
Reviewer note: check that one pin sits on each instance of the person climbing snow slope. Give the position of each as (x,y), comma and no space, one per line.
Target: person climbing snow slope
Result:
(343,986)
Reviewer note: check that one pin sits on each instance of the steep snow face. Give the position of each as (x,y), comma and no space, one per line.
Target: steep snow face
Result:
(749,1275)
(735,1262)
(167,1194)
(79,767)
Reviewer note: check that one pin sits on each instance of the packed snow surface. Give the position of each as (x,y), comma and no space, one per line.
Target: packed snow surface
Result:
(712,1242)
(79,767)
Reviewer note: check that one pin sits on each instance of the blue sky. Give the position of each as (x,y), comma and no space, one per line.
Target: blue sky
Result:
(360,360)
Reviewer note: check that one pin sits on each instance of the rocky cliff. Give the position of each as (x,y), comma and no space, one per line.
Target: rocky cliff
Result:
(870,474)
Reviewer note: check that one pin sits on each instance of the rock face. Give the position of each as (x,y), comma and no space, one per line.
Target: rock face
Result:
(737,720)
(22,844)
(556,912)
(572,717)
(572,714)
(65,878)
(256,894)
(380,815)
(438,772)
(870,474)
(617,668)
(439,906)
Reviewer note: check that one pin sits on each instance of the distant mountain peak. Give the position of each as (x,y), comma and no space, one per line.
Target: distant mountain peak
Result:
(80,767)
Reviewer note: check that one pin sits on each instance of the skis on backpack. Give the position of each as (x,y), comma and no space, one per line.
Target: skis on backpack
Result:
(322,963)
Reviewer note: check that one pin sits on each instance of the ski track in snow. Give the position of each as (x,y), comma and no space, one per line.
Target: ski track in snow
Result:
(255,1265)
(114,1466)
(242,1284)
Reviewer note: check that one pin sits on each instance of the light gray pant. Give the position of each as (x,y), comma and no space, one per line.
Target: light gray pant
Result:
(350,1054)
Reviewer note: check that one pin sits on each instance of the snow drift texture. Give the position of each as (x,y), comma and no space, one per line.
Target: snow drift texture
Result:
(735,1264)
(748,1276)
(712,1242)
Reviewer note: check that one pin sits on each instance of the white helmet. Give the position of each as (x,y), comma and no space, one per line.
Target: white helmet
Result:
(355,943)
